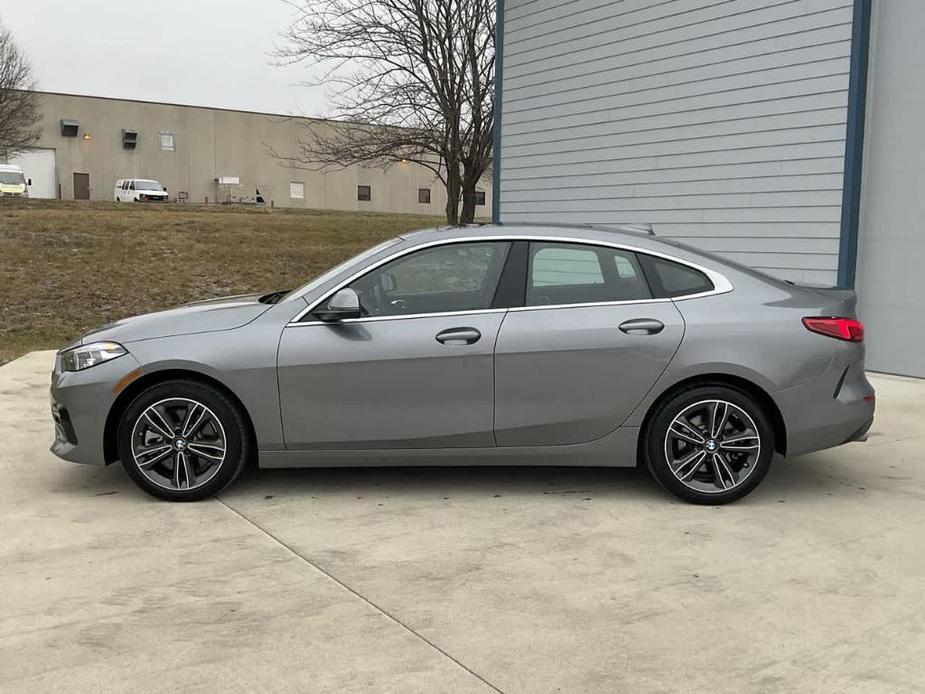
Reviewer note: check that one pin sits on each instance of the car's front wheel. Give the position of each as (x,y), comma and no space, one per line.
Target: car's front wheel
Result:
(183,441)
(709,444)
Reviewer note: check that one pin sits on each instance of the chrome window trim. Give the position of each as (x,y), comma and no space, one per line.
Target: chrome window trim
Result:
(409,316)
(721,285)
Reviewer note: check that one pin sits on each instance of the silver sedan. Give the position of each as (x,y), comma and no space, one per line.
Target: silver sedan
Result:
(489,345)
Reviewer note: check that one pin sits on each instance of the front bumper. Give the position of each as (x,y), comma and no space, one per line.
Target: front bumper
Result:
(80,404)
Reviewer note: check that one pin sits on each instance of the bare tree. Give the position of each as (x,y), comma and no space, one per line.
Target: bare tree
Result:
(412,80)
(19,104)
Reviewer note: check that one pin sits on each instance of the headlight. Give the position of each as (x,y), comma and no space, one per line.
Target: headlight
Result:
(84,357)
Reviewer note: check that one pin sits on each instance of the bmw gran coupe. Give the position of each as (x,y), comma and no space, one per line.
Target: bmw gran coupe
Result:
(488,345)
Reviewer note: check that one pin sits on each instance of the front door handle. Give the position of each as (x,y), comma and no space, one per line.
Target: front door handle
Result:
(459,336)
(642,326)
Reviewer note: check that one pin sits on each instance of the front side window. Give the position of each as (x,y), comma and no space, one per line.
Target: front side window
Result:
(297,190)
(168,141)
(570,273)
(424,196)
(480,197)
(364,193)
(455,277)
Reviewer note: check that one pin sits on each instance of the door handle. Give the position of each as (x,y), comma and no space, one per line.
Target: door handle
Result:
(458,336)
(642,326)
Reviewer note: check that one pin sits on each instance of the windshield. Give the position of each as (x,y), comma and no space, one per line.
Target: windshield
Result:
(333,272)
(148,185)
(11,178)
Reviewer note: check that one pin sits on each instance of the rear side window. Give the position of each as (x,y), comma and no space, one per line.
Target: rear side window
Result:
(670,279)
(570,273)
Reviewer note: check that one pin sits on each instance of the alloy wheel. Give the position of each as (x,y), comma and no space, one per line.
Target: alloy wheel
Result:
(712,446)
(178,444)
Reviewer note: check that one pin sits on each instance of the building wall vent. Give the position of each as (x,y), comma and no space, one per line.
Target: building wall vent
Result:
(69,127)
(129,139)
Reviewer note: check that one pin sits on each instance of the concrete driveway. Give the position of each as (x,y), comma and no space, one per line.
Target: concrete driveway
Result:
(459,580)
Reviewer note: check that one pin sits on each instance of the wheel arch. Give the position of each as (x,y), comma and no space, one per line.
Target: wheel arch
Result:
(761,396)
(133,389)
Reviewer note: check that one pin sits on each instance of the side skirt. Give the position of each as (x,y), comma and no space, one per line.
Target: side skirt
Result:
(617,449)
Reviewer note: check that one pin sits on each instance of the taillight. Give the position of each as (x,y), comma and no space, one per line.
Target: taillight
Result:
(847,329)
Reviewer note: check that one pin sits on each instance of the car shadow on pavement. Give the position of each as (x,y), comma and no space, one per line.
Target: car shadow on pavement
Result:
(790,479)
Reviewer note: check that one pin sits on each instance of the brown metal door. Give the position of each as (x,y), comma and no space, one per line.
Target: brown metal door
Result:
(81,186)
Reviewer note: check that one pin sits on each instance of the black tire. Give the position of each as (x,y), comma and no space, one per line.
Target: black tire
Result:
(747,468)
(235,442)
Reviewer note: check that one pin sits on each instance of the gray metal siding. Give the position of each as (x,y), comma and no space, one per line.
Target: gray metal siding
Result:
(721,122)
(891,243)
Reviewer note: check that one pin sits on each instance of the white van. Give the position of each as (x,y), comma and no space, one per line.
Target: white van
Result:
(13,182)
(139,190)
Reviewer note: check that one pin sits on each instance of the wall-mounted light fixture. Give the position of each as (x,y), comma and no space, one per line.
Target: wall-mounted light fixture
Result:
(88,137)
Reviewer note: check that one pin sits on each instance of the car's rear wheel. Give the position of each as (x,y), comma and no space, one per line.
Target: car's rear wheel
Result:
(709,444)
(183,441)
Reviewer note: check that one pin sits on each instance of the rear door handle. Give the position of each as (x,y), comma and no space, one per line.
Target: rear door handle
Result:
(642,326)
(459,336)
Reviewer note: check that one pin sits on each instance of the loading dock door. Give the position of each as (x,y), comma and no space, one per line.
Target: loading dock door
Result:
(39,165)
(81,186)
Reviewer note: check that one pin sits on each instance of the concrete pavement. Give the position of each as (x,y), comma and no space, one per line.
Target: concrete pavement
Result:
(458,580)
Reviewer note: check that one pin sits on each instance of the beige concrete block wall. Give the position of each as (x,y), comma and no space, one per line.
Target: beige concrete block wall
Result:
(215,142)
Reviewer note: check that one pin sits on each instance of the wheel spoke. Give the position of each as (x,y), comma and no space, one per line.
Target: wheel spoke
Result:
(161,428)
(195,426)
(163,454)
(747,442)
(692,463)
(188,418)
(181,471)
(682,430)
(207,450)
(721,467)
(718,472)
(718,420)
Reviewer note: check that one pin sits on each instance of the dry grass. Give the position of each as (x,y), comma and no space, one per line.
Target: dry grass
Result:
(66,267)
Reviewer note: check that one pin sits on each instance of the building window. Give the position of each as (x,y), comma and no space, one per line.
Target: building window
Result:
(297,190)
(364,193)
(168,141)
(480,197)
(424,196)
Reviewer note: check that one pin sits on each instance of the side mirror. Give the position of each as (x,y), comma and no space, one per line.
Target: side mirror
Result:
(344,304)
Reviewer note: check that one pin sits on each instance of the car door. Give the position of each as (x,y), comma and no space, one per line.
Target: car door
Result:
(588,344)
(417,371)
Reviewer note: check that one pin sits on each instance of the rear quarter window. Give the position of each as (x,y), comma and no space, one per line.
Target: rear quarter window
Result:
(670,279)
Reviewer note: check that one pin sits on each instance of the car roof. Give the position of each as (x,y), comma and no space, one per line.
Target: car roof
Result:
(631,235)
(627,236)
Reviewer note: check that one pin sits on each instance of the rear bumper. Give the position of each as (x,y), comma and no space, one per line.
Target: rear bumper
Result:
(834,409)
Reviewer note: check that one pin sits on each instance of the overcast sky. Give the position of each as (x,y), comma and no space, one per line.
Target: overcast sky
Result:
(201,52)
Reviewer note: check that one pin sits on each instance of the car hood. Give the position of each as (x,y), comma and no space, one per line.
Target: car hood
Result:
(225,313)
